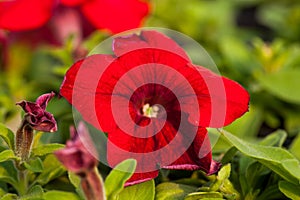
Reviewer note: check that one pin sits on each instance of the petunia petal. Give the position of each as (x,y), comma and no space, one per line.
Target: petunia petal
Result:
(43,100)
(73,2)
(31,108)
(115,15)
(197,156)
(147,39)
(221,100)
(163,148)
(25,14)
(45,123)
(141,177)
(80,85)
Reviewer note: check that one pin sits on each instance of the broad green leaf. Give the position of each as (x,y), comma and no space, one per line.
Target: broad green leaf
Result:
(46,149)
(9,196)
(271,192)
(142,191)
(116,179)
(190,181)
(229,155)
(276,138)
(34,165)
(2,191)
(201,195)
(173,191)
(8,173)
(53,194)
(212,199)
(52,170)
(244,163)
(295,146)
(284,84)
(6,155)
(277,159)
(222,183)
(223,174)
(7,135)
(35,193)
(74,179)
(290,190)
(248,125)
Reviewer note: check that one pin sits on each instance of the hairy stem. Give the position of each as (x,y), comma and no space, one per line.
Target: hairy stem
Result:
(92,185)
(24,138)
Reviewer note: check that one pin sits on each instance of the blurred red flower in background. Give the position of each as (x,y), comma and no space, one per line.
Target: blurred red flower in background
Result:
(52,21)
(113,15)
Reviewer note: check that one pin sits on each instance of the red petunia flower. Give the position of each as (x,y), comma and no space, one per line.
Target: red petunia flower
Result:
(153,103)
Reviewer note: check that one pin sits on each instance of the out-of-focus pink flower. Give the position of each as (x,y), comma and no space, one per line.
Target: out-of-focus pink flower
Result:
(75,157)
(37,116)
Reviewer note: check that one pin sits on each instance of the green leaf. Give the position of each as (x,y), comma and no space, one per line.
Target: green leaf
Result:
(35,193)
(8,136)
(248,125)
(116,179)
(212,199)
(271,192)
(290,190)
(74,179)
(229,155)
(52,170)
(284,84)
(46,149)
(53,194)
(3,191)
(276,138)
(295,146)
(173,191)
(277,159)
(8,173)
(201,195)
(223,174)
(222,183)
(142,191)
(7,155)
(35,165)
(9,196)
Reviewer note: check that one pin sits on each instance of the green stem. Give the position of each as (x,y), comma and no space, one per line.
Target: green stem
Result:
(23,183)
(24,138)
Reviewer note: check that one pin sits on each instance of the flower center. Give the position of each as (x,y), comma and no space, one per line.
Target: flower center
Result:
(150,111)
